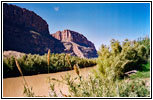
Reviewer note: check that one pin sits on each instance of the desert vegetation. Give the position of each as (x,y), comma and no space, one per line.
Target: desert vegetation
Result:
(107,80)
(36,64)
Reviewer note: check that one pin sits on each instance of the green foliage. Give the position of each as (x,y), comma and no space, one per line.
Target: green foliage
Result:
(115,61)
(135,88)
(9,68)
(112,63)
(143,73)
(97,87)
(140,75)
(36,64)
(146,42)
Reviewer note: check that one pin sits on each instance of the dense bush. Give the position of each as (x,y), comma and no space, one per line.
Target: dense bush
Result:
(35,64)
(98,87)
(115,61)
(146,42)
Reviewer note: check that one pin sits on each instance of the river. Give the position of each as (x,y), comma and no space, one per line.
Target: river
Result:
(13,87)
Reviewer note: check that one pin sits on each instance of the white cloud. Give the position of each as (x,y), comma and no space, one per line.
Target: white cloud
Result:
(56,8)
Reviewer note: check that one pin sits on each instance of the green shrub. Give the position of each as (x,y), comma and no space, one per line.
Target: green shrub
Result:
(98,87)
(115,61)
(9,68)
(135,88)
(36,64)
(146,42)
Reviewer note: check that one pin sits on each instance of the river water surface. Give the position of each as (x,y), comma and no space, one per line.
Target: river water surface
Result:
(13,87)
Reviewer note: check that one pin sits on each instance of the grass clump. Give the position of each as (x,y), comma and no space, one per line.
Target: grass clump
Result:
(140,74)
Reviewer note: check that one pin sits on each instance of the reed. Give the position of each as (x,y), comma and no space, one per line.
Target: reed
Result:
(48,58)
(27,90)
(19,68)
(76,69)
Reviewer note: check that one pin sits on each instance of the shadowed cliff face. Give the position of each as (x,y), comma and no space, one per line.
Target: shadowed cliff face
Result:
(25,31)
(76,44)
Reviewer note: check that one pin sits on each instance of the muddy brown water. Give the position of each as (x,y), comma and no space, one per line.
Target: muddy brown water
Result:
(13,87)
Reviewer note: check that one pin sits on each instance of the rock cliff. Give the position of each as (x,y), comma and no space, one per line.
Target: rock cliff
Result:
(25,31)
(76,44)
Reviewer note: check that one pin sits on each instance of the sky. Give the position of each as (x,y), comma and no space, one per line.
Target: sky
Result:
(99,22)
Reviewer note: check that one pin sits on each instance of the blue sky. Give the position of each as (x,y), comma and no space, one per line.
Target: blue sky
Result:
(99,22)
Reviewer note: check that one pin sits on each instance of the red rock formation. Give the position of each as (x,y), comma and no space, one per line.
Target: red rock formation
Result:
(25,31)
(68,35)
(76,44)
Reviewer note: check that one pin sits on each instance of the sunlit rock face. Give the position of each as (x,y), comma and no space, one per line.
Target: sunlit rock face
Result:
(76,44)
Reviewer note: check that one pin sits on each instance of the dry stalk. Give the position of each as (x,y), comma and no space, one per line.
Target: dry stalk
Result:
(19,68)
(48,58)
(76,69)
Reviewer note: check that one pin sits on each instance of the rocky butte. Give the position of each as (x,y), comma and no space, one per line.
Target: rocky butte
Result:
(76,44)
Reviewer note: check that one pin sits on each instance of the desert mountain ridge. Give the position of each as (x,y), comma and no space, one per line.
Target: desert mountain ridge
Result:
(25,31)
